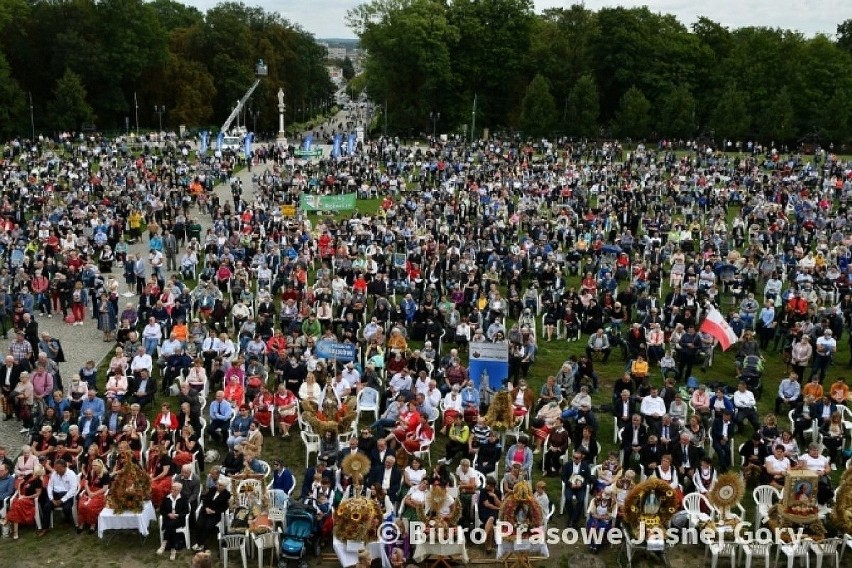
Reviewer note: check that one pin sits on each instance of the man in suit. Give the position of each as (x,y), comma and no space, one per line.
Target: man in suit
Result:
(722,434)
(114,417)
(651,454)
(388,477)
(685,457)
(174,510)
(213,504)
(352,448)
(633,437)
(88,425)
(9,375)
(191,396)
(668,433)
(379,453)
(622,409)
(576,479)
(142,389)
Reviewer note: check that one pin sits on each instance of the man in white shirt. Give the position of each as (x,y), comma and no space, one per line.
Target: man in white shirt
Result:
(351,375)
(142,360)
(745,405)
(653,408)
(61,490)
(400,382)
(169,347)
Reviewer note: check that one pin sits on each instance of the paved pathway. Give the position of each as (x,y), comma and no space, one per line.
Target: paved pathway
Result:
(82,343)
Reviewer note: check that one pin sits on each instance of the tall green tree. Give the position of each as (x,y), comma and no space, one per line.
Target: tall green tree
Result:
(348,68)
(490,64)
(583,108)
(410,64)
(730,120)
(676,113)
(633,118)
(70,107)
(538,108)
(777,124)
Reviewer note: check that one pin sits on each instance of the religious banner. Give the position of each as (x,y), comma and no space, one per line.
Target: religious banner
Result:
(489,362)
(329,349)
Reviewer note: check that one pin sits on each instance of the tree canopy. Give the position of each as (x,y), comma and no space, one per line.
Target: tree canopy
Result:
(104,57)
(625,71)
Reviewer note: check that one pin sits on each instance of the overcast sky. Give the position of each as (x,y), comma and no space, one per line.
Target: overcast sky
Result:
(325,18)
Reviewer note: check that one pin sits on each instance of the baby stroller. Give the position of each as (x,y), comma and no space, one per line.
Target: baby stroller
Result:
(751,373)
(298,536)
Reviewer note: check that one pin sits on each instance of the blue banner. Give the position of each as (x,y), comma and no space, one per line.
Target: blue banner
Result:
(220,140)
(205,140)
(335,150)
(309,141)
(329,349)
(247,145)
(352,144)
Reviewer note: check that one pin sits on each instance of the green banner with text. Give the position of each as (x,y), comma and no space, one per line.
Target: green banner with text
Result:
(344,202)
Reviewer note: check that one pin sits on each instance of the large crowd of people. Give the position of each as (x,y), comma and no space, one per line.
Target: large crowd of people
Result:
(496,241)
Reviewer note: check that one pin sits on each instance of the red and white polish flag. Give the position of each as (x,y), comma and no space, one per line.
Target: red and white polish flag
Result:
(714,324)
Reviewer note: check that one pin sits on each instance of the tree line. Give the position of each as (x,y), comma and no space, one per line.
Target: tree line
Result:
(625,72)
(68,63)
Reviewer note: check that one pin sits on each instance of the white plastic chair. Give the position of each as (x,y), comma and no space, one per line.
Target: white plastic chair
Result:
(757,549)
(230,542)
(829,547)
(764,497)
(368,401)
(184,530)
(312,445)
(724,549)
(793,551)
(692,504)
(278,516)
(265,541)
(267,470)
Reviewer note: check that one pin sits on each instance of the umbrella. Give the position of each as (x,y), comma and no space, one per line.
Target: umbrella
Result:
(611,249)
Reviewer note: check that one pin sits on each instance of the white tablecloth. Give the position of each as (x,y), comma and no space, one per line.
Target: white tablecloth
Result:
(349,557)
(109,520)
(507,546)
(454,550)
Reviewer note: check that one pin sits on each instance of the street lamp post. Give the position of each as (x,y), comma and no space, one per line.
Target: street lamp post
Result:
(254,112)
(160,109)
(435,116)
(32,116)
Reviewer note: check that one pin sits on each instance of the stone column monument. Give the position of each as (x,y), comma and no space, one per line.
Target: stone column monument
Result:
(282,136)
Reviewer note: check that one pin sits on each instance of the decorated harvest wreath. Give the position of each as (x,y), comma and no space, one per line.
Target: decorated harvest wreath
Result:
(357,518)
(521,510)
(652,503)
(130,488)
(331,418)
(841,514)
(500,415)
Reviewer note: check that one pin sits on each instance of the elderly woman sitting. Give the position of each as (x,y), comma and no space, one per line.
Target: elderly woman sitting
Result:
(544,422)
